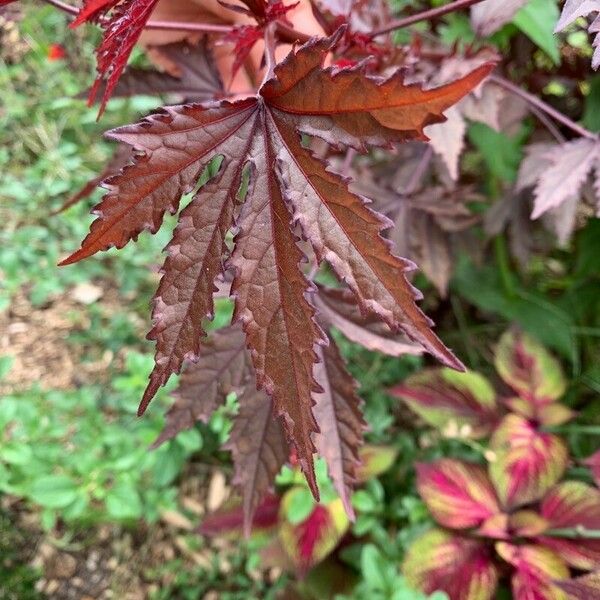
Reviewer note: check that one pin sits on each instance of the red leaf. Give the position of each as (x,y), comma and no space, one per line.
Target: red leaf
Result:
(460,566)
(125,20)
(259,450)
(573,505)
(526,463)
(232,519)
(459,495)
(337,308)
(535,570)
(223,367)
(337,412)
(195,75)
(174,147)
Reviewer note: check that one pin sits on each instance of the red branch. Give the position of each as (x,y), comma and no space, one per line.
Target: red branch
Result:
(425,15)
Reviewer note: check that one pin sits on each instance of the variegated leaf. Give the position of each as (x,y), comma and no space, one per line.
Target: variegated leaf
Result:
(374,460)
(535,570)
(460,566)
(593,462)
(582,588)
(459,495)
(529,369)
(573,506)
(310,541)
(523,523)
(442,397)
(525,462)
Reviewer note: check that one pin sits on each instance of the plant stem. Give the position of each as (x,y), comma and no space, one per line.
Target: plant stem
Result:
(425,15)
(581,429)
(269,52)
(578,532)
(543,106)
(285,32)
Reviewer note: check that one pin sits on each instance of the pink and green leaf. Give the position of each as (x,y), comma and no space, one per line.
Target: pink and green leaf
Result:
(314,538)
(459,495)
(460,566)
(586,587)
(443,396)
(230,519)
(525,462)
(530,370)
(523,523)
(573,506)
(373,461)
(536,568)
(593,462)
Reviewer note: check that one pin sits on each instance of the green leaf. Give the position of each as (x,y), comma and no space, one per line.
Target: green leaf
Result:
(537,20)
(501,154)
(53,491)
(123,501)
(300,505)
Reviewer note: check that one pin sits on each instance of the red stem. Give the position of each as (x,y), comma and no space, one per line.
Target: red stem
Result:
(543,106)
(425,15)
(286,33)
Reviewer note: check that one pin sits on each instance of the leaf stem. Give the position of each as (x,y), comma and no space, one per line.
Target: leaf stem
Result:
(578,532)
(581,429)
(270,60)
(425,15)
(536,102)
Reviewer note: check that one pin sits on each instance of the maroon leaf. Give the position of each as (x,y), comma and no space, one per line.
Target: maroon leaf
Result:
(197,77)
(232,518)
(223,367)
(173,148)
(337,412)
(122,28)
(259,450)
(338,309)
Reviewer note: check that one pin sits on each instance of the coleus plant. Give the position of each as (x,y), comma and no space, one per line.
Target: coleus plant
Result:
(270,190)
(516,516)
(302,533)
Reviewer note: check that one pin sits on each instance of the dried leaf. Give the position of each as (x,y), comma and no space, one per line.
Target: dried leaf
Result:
(460,566)
(459,495)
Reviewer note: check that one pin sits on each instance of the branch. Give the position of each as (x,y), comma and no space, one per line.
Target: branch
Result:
(535,102)
(425,15)
(285,32)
